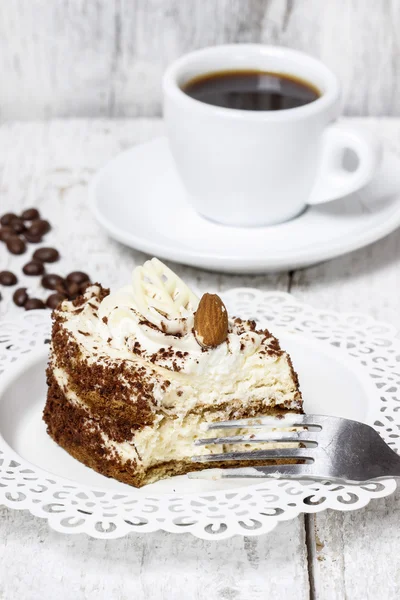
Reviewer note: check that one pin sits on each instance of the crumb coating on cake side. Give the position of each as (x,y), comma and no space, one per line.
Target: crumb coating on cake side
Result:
(130,413)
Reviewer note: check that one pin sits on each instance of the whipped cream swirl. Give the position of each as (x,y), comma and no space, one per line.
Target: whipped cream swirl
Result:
(156,314)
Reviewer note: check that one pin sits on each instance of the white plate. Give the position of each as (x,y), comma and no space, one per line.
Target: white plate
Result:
(139,200)
(347,367)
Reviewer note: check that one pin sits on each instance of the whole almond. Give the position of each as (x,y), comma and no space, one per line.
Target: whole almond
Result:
(211,321)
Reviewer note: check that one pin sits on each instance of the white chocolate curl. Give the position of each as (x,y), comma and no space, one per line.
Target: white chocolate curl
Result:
(157,297)
(162,297)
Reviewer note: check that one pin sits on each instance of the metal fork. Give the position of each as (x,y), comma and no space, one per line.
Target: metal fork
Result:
(329,448)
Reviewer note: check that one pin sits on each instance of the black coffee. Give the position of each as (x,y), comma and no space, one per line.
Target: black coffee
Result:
(251,90)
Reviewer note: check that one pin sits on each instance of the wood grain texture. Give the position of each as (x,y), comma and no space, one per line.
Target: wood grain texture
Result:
(358,552)
(96,58)
(38,563)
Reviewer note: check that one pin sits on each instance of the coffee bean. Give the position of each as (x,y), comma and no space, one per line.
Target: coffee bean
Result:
(34,303)
(7,218)
(51,281)
(34,267)
(77,277)
(15,245)
(20,296)
(73,289)
(39,227)
(7,278)
(31,238)
(17,225)
(83,286)
(30,214)
(6,232)
(47,255)
(54,300)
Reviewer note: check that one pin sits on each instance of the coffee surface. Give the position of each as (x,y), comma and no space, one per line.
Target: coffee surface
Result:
(251,90)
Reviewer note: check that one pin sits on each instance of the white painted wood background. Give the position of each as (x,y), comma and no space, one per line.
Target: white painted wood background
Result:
(105,58)
(329,556)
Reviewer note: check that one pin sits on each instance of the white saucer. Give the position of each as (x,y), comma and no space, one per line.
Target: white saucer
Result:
(139,200)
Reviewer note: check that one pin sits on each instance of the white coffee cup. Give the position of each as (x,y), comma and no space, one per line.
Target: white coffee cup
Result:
(249,168)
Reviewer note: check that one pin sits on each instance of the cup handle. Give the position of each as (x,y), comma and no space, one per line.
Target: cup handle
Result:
(334,181)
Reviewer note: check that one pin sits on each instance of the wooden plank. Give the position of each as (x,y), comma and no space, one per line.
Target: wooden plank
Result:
(99,58)
(357,552)
(49,165)
(36,562)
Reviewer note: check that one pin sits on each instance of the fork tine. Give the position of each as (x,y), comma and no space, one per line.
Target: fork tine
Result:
(284,437)
(272,471)
(291,420)
(273,454)
(347,451)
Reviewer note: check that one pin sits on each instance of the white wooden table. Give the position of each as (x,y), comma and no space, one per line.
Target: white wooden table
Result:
(328,556)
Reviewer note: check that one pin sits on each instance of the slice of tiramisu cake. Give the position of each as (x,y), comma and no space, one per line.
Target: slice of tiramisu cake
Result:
(133,375)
